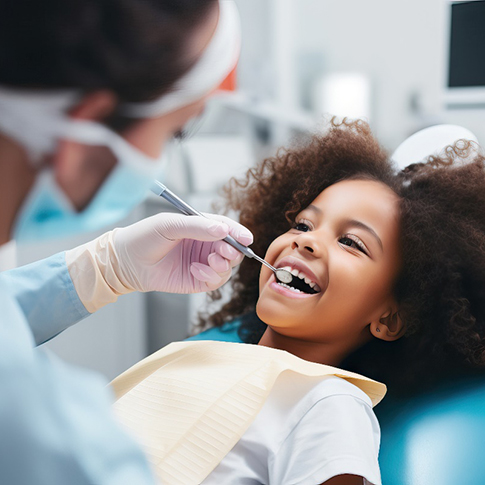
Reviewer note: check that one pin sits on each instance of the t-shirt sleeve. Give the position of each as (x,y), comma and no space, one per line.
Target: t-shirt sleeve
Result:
(336,435)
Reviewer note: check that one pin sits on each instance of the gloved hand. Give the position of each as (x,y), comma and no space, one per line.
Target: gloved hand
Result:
(175,253)
(167,252)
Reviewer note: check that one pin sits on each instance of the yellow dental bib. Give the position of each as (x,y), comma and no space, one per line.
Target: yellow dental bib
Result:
(190,402)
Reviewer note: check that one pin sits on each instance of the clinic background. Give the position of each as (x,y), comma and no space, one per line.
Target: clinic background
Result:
(301,59)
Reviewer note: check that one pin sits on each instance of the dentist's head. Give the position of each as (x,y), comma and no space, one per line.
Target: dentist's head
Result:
(90,91)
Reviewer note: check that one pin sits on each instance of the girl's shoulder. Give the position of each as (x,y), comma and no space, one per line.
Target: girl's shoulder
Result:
(294,396)
(322,427)
(334,386)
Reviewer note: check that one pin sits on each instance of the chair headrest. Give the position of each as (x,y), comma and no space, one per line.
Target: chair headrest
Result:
(430,141)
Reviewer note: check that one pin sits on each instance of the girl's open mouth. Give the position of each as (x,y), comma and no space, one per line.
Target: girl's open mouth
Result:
(297,288)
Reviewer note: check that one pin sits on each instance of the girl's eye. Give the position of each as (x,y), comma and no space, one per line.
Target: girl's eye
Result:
(301,226)
(353,243)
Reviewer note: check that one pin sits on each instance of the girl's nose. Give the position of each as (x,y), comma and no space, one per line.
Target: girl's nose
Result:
(295,245)
(306,243)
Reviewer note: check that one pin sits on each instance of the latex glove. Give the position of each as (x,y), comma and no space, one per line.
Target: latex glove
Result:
(168,252)
(175,253)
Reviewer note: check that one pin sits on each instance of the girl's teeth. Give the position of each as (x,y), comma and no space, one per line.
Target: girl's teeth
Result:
(289,287)
(305,278)
(302,276)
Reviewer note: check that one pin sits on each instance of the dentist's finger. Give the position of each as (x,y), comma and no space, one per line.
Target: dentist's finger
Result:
(218,263)
(206,274)
(224,277)
(228,252)
(240,233)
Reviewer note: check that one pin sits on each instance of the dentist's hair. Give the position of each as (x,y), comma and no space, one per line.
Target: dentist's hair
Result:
(441,288)
(135,48)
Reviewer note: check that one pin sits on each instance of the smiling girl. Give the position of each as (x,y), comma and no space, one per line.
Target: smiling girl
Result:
(395,254)
(347,243)
(375,256)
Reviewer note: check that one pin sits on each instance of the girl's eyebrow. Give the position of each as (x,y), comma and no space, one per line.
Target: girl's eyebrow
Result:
(314,208)
(365,227)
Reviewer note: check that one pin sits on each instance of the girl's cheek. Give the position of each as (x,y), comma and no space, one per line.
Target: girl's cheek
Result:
(276,247)
(272,254)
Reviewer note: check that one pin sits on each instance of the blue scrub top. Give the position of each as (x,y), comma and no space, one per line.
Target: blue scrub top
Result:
(56,425)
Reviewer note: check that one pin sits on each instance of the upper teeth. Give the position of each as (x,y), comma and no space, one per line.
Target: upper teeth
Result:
(302,276)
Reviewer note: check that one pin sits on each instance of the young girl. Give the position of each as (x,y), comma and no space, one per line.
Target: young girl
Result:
(376,256)
(438,290)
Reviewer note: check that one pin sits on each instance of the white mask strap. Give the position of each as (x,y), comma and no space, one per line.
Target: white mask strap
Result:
(38,122)
(24,115)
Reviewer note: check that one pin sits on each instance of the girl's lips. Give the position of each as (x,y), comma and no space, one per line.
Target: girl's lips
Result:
(286,292)
(299,265)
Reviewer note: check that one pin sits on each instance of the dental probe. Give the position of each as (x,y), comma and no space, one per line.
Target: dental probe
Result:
(162,191)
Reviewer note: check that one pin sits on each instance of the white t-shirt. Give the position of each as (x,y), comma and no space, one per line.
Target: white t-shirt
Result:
(308,431)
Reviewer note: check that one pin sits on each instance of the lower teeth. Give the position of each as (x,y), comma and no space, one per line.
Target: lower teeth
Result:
(290,287)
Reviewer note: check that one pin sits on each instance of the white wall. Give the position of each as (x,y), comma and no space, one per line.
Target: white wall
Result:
(400,45)
(397,44)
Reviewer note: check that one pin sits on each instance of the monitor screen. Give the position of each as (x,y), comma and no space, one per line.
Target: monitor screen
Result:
(467,45)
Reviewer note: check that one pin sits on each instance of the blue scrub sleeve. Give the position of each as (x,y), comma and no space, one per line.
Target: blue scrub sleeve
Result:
(57,428)
(46,295)
(56,423)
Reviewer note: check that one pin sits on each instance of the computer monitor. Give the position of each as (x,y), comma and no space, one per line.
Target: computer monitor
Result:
(465,76)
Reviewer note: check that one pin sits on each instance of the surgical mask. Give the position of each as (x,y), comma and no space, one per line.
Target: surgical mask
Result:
(38,120)
(48,212)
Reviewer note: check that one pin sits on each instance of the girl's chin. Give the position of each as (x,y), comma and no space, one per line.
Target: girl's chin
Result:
(277,314)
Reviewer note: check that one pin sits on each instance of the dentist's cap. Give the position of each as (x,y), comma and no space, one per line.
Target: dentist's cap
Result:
(217,61)
(430,141)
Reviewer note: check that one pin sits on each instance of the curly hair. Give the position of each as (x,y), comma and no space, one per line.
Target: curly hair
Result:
(441,288)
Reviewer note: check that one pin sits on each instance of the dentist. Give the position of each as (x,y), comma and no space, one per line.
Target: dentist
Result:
(90,91)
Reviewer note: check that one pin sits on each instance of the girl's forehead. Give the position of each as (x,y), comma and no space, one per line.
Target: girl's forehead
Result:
(367,192)
(370,200)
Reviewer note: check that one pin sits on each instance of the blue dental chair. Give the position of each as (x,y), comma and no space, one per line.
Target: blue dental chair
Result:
(438,438)
(435,439)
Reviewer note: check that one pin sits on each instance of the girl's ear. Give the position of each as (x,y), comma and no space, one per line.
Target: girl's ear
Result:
(389,327)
